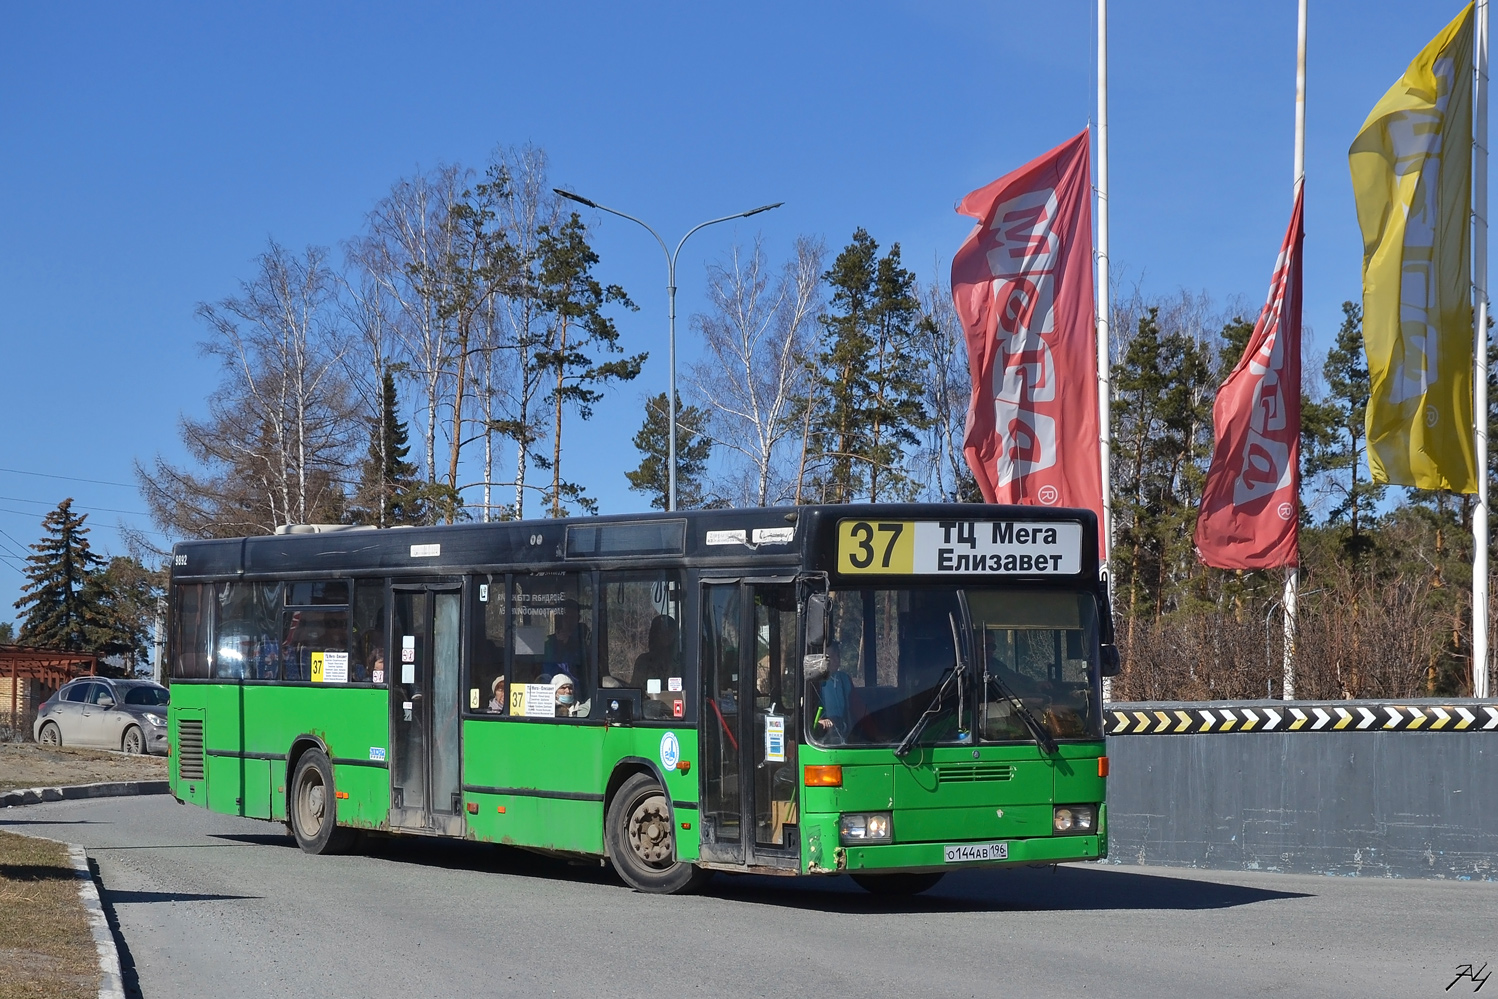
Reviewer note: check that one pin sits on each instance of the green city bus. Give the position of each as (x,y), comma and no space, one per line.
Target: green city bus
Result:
(891,691)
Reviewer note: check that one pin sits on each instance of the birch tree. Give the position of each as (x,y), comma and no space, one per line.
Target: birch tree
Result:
(277,441)
(756,337)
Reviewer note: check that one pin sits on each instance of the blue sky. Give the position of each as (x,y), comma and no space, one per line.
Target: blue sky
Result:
(150,151)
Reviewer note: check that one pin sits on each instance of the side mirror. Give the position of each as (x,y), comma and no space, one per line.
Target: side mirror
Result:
(1112,665)
(106,702)
(816,620)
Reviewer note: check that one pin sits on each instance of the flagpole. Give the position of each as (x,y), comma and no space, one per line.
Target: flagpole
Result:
(1105,418)
(1480,351)
(1292,574)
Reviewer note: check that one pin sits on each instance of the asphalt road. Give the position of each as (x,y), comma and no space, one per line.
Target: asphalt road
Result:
(208,905)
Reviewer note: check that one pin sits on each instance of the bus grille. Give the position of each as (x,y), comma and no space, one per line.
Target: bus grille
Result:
(970,773)
(189,749)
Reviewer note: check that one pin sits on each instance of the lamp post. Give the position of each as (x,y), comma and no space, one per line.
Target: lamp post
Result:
(671,310)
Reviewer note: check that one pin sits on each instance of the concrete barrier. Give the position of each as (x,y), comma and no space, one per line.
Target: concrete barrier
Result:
(1369,788)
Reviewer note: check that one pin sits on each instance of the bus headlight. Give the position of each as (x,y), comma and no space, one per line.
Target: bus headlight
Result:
(1074,820)
(865,827)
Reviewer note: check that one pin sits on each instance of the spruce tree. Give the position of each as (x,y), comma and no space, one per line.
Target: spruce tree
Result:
(390,484)
(692,451)
(867,376)
(55,613)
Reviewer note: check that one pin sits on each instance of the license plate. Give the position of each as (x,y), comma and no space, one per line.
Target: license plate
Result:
(969,852)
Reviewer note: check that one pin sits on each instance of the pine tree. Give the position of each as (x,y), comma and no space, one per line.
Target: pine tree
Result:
(1162,445)
(868,377)
(122,603)
(574,300)
(1340,450)
(55,611)
(693,448)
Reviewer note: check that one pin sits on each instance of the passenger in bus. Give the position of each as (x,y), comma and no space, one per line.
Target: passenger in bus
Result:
(659,660)
(567,703)
(566,647)
(500,700)
(374,659)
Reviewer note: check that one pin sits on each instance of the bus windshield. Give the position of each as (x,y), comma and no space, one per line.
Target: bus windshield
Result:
(890,654)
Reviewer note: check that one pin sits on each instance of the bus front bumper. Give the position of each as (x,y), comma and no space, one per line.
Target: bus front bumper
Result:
(932,856)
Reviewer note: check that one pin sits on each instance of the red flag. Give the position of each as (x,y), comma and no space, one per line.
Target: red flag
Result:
(1248,516)
(1022,284)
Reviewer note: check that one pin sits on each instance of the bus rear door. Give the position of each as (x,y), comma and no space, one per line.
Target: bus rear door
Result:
(425,629)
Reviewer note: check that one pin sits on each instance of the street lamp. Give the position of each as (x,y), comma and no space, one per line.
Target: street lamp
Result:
(671,308)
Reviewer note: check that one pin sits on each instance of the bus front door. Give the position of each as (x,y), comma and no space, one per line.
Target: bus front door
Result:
(425,790)
(750,674)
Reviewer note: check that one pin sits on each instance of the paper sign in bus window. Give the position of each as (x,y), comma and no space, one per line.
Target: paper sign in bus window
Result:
(774,739)
(473,698)
(408,648)
(317,667)
(652,686)
(673,683)
(540,700)
(335,667)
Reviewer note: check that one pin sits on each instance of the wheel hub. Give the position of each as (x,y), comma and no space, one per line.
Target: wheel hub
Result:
(649,831)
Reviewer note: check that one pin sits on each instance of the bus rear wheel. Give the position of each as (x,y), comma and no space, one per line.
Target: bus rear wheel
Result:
(897,884)
(642,843)
(314,813)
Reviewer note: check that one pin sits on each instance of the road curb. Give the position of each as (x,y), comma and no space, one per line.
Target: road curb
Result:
(106,789)
(111,983)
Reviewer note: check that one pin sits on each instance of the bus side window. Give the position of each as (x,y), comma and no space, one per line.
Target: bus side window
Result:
(552,635)
(641,640)
(367,661)
(191,637)
(487,682)
(309,629)
(246,625)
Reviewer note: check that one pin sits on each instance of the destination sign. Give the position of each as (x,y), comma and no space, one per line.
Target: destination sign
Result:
(959,547)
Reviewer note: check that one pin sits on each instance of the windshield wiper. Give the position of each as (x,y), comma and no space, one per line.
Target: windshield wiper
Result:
(1036,729)
(920,723)
(958,669)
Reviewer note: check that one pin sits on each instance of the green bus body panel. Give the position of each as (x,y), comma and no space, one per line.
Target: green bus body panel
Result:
(573,765)
(249,732)
(991,793)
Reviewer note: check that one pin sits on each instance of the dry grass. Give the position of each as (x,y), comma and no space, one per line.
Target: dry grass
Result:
(46,950)
(25,764)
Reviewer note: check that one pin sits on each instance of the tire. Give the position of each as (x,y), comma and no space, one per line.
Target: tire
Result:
(133,743)
(50,735)
(897,884)
(312,808)
(641,841)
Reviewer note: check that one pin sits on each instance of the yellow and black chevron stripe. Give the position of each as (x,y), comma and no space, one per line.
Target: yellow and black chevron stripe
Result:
(1300,716)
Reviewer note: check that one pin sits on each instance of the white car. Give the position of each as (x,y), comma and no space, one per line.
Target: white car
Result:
(104,713)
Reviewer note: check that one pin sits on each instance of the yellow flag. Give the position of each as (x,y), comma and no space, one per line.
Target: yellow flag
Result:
(1412,177)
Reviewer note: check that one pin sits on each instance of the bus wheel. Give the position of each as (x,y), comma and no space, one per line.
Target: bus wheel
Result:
(314,819)
(642,843)
(896,884)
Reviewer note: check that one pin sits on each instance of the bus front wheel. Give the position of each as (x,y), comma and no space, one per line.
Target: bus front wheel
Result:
(642,842)
(314,818)
(896,884)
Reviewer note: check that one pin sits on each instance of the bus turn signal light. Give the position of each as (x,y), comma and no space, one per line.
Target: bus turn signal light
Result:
(824,775)
(1102,766)
(473,808)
